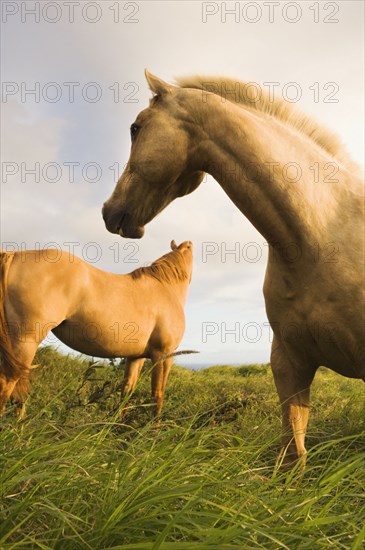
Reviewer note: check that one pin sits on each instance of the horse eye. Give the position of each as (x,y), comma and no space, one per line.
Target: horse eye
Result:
(134,130)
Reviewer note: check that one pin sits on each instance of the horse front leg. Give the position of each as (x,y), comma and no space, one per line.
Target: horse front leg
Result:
(132,371)
(159,375)
(292,382)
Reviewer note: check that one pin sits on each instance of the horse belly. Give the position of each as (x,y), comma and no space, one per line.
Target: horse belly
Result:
(112,339)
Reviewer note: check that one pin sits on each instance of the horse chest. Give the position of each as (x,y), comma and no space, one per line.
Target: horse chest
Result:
(306,318)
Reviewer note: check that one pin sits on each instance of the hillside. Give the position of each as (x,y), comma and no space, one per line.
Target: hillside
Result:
(74,477)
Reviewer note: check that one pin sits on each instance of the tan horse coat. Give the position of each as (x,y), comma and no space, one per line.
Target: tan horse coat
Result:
(138,315)
(295,182)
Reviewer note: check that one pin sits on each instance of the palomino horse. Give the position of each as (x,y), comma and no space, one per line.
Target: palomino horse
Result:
(297,185)
(139,315)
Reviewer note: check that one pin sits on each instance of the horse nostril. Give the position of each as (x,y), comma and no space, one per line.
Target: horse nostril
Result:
(103,211)
(110,217)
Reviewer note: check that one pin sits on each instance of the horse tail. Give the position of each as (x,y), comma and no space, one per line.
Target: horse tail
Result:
(10,366)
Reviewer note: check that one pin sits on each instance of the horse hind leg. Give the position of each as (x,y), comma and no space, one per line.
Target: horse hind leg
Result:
(16,390)
(19,396)
(6,389)
(21,388)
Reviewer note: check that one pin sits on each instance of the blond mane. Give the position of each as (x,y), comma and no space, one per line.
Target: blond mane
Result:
(170,268)
(241,93)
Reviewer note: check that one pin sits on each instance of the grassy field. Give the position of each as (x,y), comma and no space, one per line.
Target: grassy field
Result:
(73,477)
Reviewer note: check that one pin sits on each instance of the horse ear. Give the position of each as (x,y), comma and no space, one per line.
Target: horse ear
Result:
(173,245)
(157,86)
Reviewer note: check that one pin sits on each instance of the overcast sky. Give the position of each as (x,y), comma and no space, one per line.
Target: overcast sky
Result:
(84,62)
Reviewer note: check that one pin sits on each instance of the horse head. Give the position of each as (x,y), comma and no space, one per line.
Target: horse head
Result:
(185,251)
(160,167)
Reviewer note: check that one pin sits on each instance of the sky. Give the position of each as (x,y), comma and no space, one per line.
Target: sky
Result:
(73,82)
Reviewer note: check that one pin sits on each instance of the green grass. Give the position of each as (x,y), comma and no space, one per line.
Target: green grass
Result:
(73,477)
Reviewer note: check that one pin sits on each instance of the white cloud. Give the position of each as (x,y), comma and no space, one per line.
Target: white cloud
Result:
(171,40)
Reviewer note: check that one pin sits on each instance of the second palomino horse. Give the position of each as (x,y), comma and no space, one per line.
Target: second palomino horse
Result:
(138,315)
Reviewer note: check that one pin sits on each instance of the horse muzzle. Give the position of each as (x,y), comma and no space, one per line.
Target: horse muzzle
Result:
(121,223)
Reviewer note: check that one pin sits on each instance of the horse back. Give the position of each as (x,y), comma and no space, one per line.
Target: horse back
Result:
(41,281)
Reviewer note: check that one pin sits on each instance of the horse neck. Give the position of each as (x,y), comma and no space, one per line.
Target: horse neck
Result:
(180,287)
(180,290)
(248,154)
(183,294)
